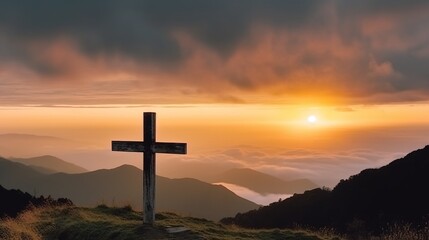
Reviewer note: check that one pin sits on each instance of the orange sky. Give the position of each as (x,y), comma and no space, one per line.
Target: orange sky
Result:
(277,139)
(237,81)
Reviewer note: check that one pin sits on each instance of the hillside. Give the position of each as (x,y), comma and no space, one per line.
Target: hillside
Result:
(14,175)
(123,185)
(263,183)
(367,202)
(123,223)
(49,164)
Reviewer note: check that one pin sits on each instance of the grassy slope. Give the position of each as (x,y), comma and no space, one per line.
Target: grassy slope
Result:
(123,223)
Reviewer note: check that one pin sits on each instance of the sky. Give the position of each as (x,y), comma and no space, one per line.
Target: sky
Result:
(236,80)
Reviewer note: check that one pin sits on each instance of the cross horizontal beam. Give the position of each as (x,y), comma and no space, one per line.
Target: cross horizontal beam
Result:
(158,147)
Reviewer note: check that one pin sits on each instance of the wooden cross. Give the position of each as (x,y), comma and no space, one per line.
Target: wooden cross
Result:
(149,147)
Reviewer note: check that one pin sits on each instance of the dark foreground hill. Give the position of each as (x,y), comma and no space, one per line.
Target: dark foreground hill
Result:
(263,183)
(367,202)
(123,223)
(12,202)
(123,185)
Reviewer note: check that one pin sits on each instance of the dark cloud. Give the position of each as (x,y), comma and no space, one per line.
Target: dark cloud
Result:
(142,29)
(350,49)
(223,24)
(414,71)
(99,27)
(394,32)
(368,7)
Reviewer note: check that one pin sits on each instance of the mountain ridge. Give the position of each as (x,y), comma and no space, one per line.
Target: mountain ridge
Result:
(369,201)
(50,162)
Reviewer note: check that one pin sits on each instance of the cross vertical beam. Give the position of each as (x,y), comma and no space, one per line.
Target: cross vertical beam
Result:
(149,176)
(149,147)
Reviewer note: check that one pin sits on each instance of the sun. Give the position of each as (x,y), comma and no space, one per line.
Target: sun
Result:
(312,119)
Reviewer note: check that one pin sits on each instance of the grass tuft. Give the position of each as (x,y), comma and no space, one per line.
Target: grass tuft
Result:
(17,229)
(405,231)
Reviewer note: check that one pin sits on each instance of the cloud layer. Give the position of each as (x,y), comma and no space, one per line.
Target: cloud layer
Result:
(213,51)
(324,168)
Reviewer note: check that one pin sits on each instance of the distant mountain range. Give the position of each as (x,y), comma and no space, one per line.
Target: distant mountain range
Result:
(366,202)
(49,164)
(263,183)
(123,185)
(36,145)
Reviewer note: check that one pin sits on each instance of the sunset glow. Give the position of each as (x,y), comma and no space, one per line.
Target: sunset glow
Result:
(312,119)
(314,90)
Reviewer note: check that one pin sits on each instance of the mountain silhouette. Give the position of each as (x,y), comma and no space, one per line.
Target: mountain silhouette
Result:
(263,183)
(14,175)
(366,202)
(123,185)
(49,164)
